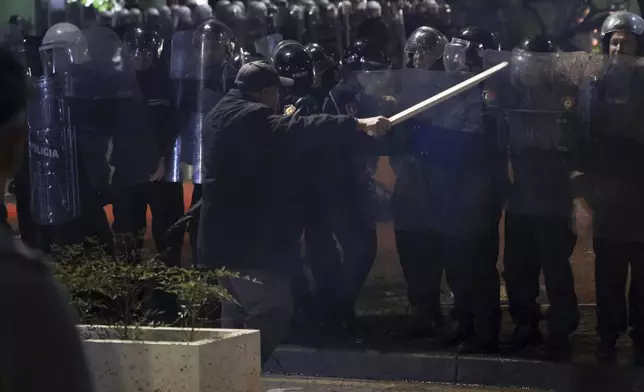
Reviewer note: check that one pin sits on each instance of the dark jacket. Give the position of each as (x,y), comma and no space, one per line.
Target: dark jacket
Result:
(613,160)
(252,192)
(40,349)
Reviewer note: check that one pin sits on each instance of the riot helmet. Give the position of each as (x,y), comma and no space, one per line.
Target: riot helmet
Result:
(136,17)
(144,47)
(166,12)
(531,61)
(257,10)
(365,56)
(630,29)
(325,71)
(537,44)
(62,45)
(240,4)
(220,9)
(23,25)
(215,42)
(192,4)
(14,41)
(374,9)
(182,17)
(105,19)
(293,61)
(424,46)
(201,13)
(465,52)
(153,18)
(122,17)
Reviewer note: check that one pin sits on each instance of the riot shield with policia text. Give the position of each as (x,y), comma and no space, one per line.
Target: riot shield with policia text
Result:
(102,140)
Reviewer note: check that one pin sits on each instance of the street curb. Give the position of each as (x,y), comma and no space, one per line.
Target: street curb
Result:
(452,369)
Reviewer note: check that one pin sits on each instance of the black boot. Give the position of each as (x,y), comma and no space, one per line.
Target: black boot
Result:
(605,352)
(479,346)
(557,349)
(421,325)
(526,336)
(638,355)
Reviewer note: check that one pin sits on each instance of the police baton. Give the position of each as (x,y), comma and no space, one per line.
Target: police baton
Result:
(445,95)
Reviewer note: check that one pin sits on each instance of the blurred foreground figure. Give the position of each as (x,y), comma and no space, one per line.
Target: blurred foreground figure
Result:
(27,290)
(614,184)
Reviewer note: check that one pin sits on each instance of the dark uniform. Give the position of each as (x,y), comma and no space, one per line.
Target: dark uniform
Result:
(164,198)
(292,60)
(422,271)
(352,216)
(613,181)
(538,233)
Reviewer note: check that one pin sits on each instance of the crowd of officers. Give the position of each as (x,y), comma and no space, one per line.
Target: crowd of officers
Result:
(336,196)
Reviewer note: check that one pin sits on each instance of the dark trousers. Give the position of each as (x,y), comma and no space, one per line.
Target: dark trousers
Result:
(340,252)
(193,226)
(614,313)
(422,269)
(533,244)
(470,267)
(266,306)
(4,216)
(130,207)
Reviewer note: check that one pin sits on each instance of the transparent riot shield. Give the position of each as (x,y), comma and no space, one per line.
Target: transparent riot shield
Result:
(443,158)
(367,94)
(257,18)
(104,107)
(53,150)
(612,110)
(538,95)
(183,72)
(198,68)
(330,30)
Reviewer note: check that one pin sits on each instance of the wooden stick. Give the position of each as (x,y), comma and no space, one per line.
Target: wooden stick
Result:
(445,95)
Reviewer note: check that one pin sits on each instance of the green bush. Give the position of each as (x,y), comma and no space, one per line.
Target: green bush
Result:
(109,290)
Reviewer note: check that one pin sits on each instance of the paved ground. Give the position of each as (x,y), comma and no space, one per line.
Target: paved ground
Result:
(333,385)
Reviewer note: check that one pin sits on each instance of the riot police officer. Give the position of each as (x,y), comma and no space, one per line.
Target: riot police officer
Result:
(424,47)
(79,217)
(292,60)
(612,176)
(326,74)
(483,169)
(422,271)
(541,124)
(145,47)
(374,27)
(352,217)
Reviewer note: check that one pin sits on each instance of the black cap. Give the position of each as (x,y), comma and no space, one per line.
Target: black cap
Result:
(257,75)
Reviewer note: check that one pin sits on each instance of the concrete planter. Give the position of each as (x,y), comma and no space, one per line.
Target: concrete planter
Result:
(162,360)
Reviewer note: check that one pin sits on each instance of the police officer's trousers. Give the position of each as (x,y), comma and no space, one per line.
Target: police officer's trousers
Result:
(130,207)
(533,244)
(614,312)
(470,267)
(340,252)
(422,269)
